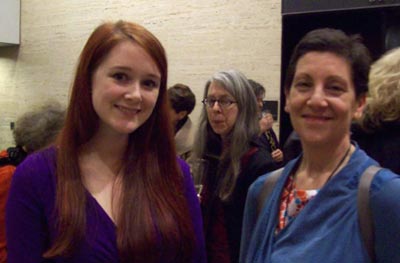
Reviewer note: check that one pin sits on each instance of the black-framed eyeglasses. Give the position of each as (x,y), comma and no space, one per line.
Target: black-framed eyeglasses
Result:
(223,103)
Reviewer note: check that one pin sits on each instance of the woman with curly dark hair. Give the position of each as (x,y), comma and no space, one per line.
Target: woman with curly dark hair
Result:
(34,130)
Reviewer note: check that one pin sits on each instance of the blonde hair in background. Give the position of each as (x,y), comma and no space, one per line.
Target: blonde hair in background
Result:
(384,89)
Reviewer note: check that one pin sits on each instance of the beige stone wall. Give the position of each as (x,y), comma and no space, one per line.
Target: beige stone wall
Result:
(201,37)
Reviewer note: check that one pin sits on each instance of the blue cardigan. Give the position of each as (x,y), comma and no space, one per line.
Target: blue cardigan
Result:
(327,229)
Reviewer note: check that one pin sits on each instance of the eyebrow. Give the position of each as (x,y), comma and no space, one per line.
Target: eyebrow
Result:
(329,78)
(221,97)
(337,78)
(150,75)
(302,75)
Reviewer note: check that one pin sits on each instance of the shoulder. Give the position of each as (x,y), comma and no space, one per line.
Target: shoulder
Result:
(257,185)
(385,207)
(3,153)
(185,169)
(258,160)
(183,166)
(6,172)
(42,161)
(36,172)
(386,187)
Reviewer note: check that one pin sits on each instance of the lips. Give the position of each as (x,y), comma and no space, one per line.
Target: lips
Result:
(217,121)
(128,110)
(316,118)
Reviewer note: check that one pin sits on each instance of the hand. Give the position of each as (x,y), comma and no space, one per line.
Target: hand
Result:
(266,122)
(277,155)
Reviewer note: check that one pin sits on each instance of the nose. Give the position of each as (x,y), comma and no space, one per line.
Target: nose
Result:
(133,92)
(260,102)
(317,97)
(216,107)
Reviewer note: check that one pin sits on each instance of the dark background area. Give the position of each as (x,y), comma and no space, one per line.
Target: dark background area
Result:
(272,107)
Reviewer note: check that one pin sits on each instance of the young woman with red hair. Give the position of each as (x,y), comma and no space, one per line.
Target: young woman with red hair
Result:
(112,190)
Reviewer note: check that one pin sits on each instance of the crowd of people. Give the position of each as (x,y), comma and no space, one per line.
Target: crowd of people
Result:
(111,178)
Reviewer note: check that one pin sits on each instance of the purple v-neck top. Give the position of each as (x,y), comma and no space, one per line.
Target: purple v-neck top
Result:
(30,223)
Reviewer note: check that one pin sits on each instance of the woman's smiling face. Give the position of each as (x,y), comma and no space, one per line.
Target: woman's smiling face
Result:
(125,88)
(322,100)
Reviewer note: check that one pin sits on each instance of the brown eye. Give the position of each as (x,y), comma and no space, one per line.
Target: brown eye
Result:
(149,83)
(302,85)
(122,77)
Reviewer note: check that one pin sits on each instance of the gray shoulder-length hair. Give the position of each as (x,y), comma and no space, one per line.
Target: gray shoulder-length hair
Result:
(245,129)
(40,126)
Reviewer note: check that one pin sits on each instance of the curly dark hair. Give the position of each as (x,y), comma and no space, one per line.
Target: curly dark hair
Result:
(39,127)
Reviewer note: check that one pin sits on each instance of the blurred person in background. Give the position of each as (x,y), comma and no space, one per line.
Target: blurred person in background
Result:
(182,102)
(377,132)
(268,137)
(33,131)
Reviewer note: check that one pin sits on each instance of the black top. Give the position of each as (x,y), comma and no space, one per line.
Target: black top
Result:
(256,162)
(15,156)
(382,144)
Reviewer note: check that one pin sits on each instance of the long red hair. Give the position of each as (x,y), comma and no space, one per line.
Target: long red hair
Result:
(154,216)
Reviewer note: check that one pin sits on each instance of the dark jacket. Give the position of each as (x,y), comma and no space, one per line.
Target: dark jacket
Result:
(292,147)
(381,144)
(223,219)
(264,141)
(270,144)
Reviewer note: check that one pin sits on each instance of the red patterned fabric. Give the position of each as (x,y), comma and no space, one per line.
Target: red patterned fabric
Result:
(292,202)
(6,173)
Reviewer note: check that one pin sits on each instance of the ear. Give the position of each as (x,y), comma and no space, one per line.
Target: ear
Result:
(287,106)
(360,104)
(182,114)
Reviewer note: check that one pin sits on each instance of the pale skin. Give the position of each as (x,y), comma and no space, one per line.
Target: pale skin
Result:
(176,116)
(124,92)
(221,120)
(322,103)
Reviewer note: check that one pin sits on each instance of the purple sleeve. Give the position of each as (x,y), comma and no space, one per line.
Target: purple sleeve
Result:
(27,236)
(194,208)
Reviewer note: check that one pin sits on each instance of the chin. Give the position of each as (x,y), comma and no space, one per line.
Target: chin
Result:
(219,132)
(317,140)
(127,129)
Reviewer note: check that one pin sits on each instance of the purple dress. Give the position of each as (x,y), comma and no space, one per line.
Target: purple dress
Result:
(30,223)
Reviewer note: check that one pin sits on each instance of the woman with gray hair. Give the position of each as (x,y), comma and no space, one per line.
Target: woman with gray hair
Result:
(34,130)
(227,140)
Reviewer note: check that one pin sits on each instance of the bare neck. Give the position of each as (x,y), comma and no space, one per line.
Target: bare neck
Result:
(319,164)
(101,162)
(104,151)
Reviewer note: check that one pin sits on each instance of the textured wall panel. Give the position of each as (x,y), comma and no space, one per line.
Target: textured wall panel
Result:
(201,37)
